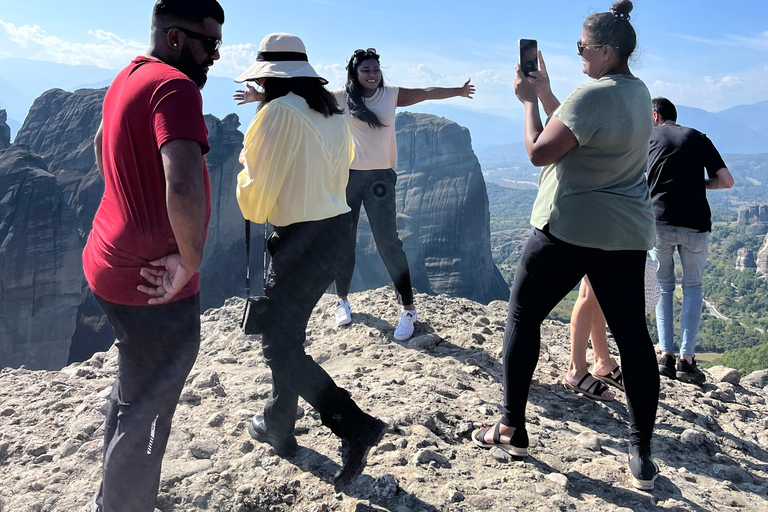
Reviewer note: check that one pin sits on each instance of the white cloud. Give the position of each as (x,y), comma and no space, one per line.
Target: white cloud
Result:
(234,59)
(109,51)
(716,93)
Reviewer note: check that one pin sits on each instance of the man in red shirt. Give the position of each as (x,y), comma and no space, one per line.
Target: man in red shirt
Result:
(143,254)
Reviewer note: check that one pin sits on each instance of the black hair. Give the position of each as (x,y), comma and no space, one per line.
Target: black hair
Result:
(613,28)
(665,108)
(311,89)
(354,90)
(194,11)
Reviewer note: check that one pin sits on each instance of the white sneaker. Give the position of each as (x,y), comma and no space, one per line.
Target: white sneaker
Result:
(404,328)
(342,312)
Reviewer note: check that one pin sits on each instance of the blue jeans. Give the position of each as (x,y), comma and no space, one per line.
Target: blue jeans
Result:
(691,245)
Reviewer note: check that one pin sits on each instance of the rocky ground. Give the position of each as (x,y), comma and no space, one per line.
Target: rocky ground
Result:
(711,443)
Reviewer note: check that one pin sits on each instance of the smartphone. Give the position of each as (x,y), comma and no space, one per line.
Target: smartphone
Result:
(529,56)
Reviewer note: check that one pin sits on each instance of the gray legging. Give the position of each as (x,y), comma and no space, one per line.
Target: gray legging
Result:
(376,191)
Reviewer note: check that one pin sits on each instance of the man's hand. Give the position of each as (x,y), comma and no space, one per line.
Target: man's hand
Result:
(166,281)
(248,95)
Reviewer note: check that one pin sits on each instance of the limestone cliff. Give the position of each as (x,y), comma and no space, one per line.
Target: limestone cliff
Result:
(762,260)
(223,269)
(745,259)
(5,130)
(442,215)
(752,214)
(40,264)
(442,206)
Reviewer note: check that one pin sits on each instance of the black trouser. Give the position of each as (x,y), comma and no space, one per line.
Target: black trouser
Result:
(376,191)
(549,269)
(304,262)
(157,347)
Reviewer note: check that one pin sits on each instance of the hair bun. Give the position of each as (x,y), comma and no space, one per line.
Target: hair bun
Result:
(621,9)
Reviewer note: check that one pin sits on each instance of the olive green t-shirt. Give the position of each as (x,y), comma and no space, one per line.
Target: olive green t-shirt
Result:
(597,195)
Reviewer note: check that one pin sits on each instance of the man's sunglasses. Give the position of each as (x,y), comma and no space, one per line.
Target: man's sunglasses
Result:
(360,52)
(580,47)
(210,44)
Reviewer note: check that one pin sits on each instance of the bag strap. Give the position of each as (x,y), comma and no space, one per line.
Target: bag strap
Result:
(248,258)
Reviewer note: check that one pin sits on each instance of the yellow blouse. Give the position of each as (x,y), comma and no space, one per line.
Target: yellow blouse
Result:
(296,164)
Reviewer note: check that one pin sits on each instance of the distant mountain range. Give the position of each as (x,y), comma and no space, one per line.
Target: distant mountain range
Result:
(738,130)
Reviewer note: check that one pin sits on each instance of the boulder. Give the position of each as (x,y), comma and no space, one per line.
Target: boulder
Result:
(724,374)
(40,264)
(758,379)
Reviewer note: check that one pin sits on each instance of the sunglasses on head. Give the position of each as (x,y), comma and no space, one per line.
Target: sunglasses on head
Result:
(360,52)
(580,47)
(210,44)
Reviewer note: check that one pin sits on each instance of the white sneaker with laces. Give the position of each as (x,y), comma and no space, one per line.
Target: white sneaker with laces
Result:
(342,312)
(404,328)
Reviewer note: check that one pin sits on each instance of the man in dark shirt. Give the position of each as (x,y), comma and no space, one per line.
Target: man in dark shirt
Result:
(676,163)
(146,245)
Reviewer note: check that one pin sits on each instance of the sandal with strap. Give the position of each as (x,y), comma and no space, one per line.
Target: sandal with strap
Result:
(594,390)
(615,378)
(518,442)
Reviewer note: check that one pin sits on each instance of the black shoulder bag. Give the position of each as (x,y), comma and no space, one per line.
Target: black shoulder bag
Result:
(256,308)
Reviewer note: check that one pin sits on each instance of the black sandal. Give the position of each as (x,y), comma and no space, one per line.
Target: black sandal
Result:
(594,391)
(517,447)
(615,378)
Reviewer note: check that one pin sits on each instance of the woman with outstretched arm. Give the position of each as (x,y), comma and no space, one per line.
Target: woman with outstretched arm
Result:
(370,106)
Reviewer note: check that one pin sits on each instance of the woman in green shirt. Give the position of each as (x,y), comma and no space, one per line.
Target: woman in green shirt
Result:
(592,217)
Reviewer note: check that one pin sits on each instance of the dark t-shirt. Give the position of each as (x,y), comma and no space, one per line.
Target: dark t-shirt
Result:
(148,104)
(676,162)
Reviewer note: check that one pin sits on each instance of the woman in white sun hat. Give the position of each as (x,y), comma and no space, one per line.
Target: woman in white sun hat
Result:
(370,109)
(296,156)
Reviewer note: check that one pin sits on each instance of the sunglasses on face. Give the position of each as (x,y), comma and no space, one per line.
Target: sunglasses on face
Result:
(210,44)
(580,47)
(360,52)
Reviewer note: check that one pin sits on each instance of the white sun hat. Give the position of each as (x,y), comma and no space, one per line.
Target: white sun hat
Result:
(280,56)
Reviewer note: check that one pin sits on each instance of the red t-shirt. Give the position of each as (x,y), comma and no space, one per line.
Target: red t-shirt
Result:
(148,104)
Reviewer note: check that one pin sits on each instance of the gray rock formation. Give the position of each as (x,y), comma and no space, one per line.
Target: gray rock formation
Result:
(40,264)
(442,206)
(762,260)
(752,214)
(745,259)
(5,130)
(711,444)
(60,127)
(223,269)
(759,228)
(443,216)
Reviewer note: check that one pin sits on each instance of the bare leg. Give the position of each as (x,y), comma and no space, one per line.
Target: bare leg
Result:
(586,319)
(604,363)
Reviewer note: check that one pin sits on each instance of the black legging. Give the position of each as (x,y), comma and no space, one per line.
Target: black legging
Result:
(549,269)
(376,191)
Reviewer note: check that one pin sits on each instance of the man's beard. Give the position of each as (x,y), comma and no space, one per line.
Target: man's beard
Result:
(189,66)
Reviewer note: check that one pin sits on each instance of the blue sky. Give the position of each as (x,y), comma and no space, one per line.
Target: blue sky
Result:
(707,54)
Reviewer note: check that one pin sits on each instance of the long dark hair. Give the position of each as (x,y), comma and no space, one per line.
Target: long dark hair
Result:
(613,28)
(311,89)
(354,90)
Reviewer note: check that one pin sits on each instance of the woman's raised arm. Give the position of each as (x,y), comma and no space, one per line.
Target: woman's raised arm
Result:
(408,97)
